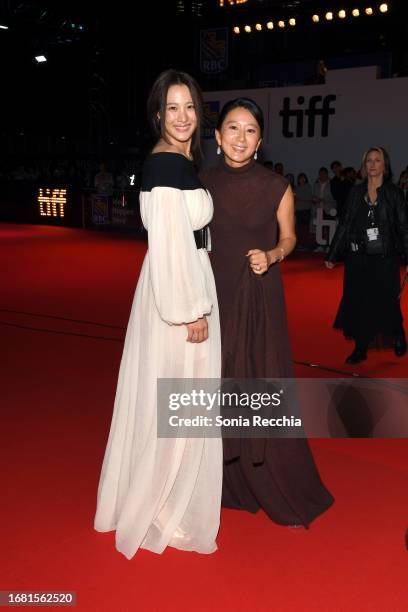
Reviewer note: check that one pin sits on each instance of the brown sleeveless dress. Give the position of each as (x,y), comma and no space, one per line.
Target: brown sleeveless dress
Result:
(277,475)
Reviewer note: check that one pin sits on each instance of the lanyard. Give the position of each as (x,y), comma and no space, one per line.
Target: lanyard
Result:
(371,206)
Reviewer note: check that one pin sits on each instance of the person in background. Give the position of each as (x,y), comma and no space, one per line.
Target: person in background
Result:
(349,176)
(403,183)
(253,231)
(123,179)
(279,168)
(321,72)
(303,206)
(322,199)
(103,181)
(291,179)
(337,186)
(373,237)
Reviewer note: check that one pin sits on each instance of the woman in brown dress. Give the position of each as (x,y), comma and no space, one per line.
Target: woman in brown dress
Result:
(252,232)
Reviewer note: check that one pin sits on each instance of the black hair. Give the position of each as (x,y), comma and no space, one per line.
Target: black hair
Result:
(246,103)
(323,169)
(334,163)
(157,100)
(304,176)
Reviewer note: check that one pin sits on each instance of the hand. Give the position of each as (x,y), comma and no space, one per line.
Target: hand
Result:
(258,261)
(197,331)
(329,264)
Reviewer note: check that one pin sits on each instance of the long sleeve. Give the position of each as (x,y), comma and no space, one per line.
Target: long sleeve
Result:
(402,221)
(176,273)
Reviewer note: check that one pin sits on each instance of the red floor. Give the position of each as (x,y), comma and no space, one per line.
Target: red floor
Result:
(57,392)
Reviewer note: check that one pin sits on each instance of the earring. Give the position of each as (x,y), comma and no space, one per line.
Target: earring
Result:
(256,155)
(218,150)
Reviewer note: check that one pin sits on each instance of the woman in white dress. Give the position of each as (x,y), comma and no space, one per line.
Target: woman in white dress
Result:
(158,492)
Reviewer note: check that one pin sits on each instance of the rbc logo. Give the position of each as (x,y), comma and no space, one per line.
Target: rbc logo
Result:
(319,106)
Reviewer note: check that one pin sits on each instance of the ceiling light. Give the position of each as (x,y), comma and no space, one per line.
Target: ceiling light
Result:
(316,18)
(383,8)
(342,14)
(369,11)
(292,21)
(281,24)
(329,16)
(269,25)
(258,27)
(247,28)
(40,59)
(355,12)
(236,30)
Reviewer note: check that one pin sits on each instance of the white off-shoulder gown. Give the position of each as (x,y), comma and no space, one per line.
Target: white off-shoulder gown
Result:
(158,492)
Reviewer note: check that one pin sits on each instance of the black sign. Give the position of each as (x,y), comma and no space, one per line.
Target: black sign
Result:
(293,119)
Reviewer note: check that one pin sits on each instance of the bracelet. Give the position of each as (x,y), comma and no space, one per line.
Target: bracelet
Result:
(282,257)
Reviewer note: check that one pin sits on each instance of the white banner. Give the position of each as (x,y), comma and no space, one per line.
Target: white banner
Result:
(310,126)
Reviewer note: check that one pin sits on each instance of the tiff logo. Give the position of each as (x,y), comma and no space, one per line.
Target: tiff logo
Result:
(318,107)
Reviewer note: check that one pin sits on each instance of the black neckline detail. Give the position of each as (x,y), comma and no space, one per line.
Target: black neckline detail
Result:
(171,153)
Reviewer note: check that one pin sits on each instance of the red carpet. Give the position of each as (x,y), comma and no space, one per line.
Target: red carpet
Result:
(57,393)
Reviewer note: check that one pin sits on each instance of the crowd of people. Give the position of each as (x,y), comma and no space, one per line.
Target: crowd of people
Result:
(368,213)
(328,193)
(79,173)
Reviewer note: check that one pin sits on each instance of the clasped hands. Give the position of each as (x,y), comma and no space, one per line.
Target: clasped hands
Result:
(259,261)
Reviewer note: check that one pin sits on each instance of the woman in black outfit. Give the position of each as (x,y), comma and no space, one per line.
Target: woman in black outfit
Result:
(372,235)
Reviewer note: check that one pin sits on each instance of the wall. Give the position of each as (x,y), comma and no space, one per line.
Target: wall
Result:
(338,120)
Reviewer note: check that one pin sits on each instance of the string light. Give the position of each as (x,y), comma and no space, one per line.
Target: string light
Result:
(51,201)
(329,16)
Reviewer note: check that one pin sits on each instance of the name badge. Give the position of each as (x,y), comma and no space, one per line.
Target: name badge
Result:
(372,233)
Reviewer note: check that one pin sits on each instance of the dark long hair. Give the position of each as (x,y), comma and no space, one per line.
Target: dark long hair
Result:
(387,162)
(157,100)
(246,103)
(304,176)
